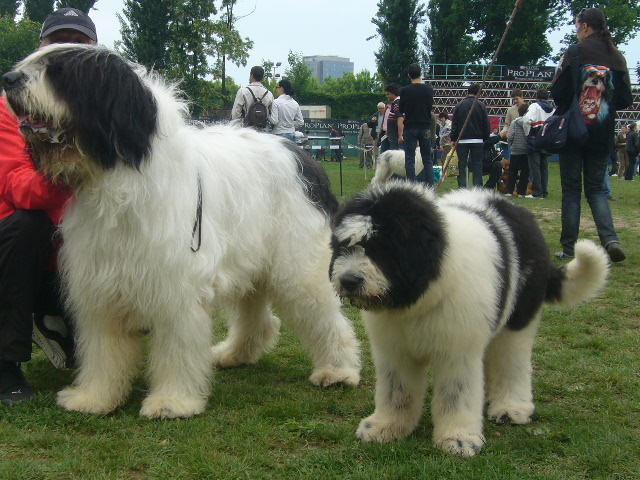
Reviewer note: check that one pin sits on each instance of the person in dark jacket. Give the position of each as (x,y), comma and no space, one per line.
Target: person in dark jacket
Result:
(603,87)
(416,101)
(471,141)
(632,146)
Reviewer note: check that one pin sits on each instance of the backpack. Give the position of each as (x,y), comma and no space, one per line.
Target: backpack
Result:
(258,113)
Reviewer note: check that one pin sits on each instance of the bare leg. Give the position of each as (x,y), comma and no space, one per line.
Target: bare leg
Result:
(508,373)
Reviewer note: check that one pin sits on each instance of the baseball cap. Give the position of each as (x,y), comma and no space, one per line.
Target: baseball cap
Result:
(69,18)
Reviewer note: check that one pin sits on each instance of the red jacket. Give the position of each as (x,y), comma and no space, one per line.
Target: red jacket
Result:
(21,185)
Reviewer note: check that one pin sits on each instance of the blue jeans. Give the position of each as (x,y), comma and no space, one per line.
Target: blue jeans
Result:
(591,165)
(473,152)
(412,137)
(539,172)
(288,136)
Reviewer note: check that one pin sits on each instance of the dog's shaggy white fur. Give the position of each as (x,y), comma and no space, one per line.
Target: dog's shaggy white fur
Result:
(451,285)
(127,258)
(391,163)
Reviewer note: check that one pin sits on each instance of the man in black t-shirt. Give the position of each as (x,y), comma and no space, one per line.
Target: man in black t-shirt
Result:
(416,100)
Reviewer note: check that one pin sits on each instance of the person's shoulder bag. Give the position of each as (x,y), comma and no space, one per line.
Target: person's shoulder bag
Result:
(564,128)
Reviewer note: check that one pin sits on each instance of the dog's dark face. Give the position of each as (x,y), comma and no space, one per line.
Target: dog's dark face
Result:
(81,109)
(387,246)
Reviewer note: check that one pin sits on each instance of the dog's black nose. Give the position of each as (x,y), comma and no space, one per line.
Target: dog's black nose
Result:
(350,282)
(13,79)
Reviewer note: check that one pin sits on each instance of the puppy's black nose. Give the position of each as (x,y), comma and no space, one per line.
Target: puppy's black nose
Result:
(350,282)
(13,79)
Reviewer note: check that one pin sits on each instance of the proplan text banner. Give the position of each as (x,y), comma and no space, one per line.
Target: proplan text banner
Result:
(537,73)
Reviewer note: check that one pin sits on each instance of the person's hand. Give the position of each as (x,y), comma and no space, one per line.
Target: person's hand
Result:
(401,138)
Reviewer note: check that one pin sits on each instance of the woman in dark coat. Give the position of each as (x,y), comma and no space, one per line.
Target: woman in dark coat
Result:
(603,87)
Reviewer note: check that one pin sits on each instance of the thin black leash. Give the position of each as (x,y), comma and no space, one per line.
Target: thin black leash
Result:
(447,160)
(197,224)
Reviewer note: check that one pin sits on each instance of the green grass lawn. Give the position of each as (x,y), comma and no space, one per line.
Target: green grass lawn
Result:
(268,421)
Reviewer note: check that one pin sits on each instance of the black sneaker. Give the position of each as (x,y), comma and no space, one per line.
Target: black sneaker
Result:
(13,386)
(616,254)
(51,335)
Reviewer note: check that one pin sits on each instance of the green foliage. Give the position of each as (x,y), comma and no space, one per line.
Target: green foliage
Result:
(623,16)
(344,105)
(37,10)
(397,23)
(209,95)
(17,40)
(299,74)
(8,8)
(177,37)
(144,27)
(227,43)
(84,5)
(448,36)
(526,42)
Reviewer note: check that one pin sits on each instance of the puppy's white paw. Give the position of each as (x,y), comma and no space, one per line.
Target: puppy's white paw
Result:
(160,406)
(324,377)
(463,444)
(224,356)
(81,400)
(375,428)
(518,413)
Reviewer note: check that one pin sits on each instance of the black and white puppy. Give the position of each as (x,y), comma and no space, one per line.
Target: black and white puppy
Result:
(451,284)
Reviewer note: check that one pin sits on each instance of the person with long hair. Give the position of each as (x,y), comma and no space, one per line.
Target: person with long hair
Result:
(602,88)
(286,115)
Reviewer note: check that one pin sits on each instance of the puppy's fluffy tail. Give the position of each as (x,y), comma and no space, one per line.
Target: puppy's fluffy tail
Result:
(581,278)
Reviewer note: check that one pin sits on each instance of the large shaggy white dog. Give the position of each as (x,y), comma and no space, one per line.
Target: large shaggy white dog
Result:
(391,163)
(168,222)
(450,285)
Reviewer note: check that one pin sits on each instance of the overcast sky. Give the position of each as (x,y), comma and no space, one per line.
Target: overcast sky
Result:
(325,27)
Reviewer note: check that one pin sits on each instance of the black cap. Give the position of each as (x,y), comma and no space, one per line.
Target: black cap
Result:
(69,18)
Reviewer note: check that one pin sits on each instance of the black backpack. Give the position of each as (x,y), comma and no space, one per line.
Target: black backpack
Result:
(258,114)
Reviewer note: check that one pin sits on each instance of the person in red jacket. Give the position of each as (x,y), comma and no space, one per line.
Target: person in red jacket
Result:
(30,209)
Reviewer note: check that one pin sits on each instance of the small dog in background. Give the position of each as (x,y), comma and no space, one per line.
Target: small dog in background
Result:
(391,163)
(451,284)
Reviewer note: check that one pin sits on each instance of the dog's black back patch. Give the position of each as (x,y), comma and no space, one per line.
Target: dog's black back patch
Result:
(113,113)
(408,241)
(536,268)
(316,180)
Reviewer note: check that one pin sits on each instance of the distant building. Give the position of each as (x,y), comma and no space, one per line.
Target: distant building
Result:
(323,67)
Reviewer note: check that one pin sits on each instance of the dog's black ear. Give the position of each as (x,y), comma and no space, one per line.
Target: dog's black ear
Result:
(112,112)
(409,243)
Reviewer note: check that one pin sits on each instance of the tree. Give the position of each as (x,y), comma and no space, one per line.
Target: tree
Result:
(191,30)
(227,44)
(8,8)
(526,43)
(448,36)
(299,74)
(623,16)
(37,10)
(17,40)
(144,27)
(397,23)
(84,5)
